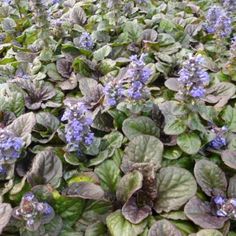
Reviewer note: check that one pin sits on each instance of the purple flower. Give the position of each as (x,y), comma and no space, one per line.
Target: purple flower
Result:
(230,5)
(77,130)
(131,85)
(193,77)
(197,92)
(219,141)
(219,200)
(85,41)
(7,1)
(55,1)
(10,146)
(33,212)
(218,22)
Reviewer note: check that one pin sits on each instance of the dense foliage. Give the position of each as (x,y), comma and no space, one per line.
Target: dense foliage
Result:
(117,118)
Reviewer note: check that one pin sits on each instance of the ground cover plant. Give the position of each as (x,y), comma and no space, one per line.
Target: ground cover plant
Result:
(117,118)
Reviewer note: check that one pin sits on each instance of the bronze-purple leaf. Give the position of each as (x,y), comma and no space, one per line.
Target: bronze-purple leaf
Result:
(229,158)
(85,190)
(133,213)
(201,214)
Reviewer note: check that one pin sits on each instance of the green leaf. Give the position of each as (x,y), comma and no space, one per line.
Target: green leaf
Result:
(102,52)
(175,187)
(46,126)
(166,25)
(46,169)
(109,175)
(172,110)
(165,39)
(133,30)
(54,227)
(5,215)
(163,228)
(128,185)
(175,215)
(229,116)
(69,209)
(201,214)
(23,125)
(102,156)
(96,229)
(133,127)
(118,225)
(112,141)
(96,211)
(189,143)
(143,149)
(208,113)
(172,153)
(12,100)
(231,193)
(209,232)
(229,158)
(80,65)
(194,122)
(175,127)
(210,177)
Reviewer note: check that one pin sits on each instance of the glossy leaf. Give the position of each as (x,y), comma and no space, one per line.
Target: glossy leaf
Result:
(164,228)
(210,177)
(175,186)
(143,149)
(133,127)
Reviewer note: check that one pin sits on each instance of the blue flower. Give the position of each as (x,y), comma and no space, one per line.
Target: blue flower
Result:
(85,41)
(218,22)
(219,200)
(33,212)
(230,5)
(193,77)
(131,85)
(197,92)
(219,141)
(55,1)
(77,130)
(10,146)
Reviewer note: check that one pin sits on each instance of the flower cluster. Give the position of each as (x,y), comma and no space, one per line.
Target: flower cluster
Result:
(218,22)
(33,212)
(131,85)
(78,127)
(193,77)
(219,141)
(85,41)
(225,207)
(139,76)
(10,146)
(230,5)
